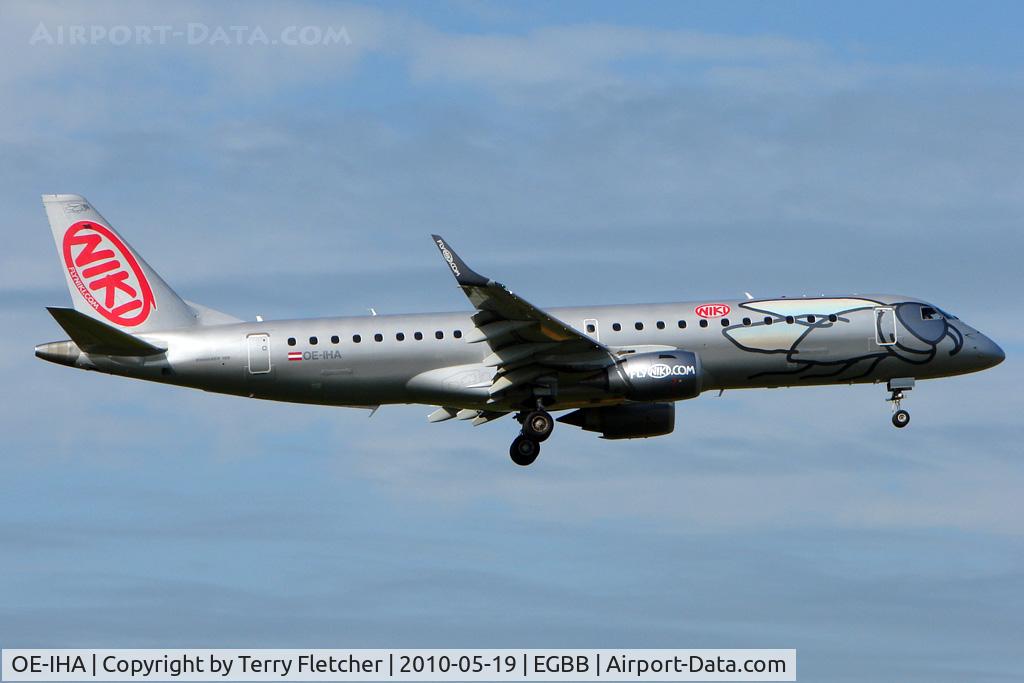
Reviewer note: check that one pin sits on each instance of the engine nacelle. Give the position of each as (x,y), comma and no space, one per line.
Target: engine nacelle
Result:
(657,376)
(628,421)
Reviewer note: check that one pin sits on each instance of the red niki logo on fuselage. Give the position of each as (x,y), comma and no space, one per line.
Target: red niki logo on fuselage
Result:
(106,274)
(712,310)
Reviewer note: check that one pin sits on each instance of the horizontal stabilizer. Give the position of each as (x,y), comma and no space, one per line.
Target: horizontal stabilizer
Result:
(93,336)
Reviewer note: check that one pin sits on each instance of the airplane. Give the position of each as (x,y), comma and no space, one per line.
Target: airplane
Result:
(619,369)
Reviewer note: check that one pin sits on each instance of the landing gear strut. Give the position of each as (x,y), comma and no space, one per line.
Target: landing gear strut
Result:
(896,387)
(537,427)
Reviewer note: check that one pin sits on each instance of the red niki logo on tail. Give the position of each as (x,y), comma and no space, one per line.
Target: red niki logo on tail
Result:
(107,274)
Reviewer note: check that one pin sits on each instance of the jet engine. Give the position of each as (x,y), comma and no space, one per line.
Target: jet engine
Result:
(627,421)
(655,376)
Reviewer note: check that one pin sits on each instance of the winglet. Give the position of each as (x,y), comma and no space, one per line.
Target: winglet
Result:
(464,275)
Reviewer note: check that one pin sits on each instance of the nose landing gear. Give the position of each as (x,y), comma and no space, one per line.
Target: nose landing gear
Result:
(537,427)
(896,387)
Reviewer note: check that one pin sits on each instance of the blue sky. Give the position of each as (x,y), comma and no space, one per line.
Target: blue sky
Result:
(581,153)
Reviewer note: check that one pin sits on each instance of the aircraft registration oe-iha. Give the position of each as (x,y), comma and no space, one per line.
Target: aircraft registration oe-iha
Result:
(618,369)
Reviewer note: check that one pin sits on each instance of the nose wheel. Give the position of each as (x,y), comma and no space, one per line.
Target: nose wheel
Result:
(897,387)
(537,427)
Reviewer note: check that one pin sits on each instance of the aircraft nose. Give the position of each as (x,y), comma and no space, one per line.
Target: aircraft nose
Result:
(986,351)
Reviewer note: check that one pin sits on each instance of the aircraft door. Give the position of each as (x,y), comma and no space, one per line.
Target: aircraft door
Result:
(590,327)
(259,354)
(885,326)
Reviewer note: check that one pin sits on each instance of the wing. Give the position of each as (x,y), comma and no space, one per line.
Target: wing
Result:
(530,349)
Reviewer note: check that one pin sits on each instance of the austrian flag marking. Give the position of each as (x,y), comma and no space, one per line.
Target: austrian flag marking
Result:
(106,274)
(295,355)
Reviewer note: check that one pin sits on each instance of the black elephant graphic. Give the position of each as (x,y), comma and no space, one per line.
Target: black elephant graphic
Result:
(796,328)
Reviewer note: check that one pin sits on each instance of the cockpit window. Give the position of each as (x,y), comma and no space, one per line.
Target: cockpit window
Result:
(935,313)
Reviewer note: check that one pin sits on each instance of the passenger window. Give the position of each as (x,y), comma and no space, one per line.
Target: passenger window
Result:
(400,336)
(457,334)
(616,327)
(312,341)
(682,324)
(356,338)
(832,318)
(790,319)
(810,318)
(439,334)
(591,329)
(928,313)
(746,321)
(703,322)
(768,320)
(661,324)
(291,341)
(417,336)
(335,339)
(378,337)
(725,322)
(638,326)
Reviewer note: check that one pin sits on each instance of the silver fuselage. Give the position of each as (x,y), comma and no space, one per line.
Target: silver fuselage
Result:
(426,358)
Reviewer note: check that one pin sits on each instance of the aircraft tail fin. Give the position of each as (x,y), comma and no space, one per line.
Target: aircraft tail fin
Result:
(93,336)
(108,280)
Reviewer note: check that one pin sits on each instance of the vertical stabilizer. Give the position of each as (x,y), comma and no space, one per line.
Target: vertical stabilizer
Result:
(108,280)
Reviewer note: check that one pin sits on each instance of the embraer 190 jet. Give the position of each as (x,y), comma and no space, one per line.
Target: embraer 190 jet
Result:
(618,369)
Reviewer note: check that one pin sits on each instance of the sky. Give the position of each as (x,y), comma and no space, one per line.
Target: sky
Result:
(581,153)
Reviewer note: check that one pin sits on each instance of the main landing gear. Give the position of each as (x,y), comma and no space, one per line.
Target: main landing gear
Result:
(896,387)
(537,427)
(524,450)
